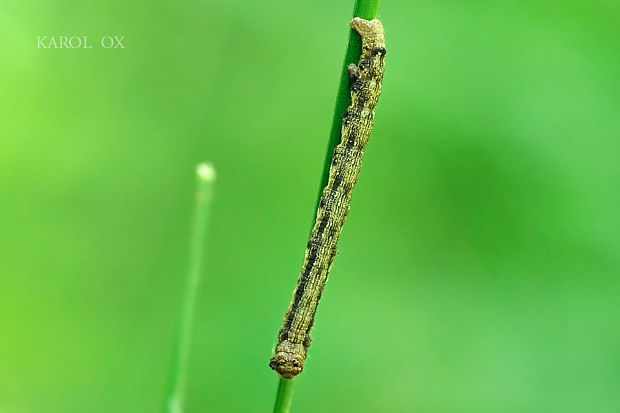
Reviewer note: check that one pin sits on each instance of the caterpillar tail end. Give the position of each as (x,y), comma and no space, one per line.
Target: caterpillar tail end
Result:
(289,359)
(370,29)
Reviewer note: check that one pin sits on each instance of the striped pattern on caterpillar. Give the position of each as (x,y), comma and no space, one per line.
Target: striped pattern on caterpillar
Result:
(365,85)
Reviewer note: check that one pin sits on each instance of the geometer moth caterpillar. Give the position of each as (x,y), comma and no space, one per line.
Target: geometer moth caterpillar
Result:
(365,84)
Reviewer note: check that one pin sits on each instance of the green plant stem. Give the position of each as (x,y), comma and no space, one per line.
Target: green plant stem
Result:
(366,9)
(284,397)
(205,179)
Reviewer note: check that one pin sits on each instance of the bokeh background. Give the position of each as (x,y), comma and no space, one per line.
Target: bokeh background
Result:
(479,267)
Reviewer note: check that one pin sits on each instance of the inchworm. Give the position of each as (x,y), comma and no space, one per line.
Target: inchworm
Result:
(365,85)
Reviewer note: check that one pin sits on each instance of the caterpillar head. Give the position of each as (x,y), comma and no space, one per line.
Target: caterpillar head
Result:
(289,359)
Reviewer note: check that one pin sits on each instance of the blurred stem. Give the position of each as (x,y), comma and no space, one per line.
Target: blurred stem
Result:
(366,9)
(205,179)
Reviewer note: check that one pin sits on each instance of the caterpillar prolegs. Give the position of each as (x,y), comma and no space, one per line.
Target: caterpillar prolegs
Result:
(365,79)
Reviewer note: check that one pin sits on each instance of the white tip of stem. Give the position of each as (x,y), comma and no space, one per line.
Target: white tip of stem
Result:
(174,405)
(206,171)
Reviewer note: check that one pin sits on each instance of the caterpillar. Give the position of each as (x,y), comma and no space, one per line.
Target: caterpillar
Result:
(365,79)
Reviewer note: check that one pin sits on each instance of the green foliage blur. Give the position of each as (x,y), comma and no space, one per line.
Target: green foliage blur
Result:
(479,267)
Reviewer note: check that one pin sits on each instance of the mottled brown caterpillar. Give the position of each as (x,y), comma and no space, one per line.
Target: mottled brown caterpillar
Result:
(365,84)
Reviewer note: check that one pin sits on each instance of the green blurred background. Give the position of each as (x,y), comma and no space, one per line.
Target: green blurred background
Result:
(479,267)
